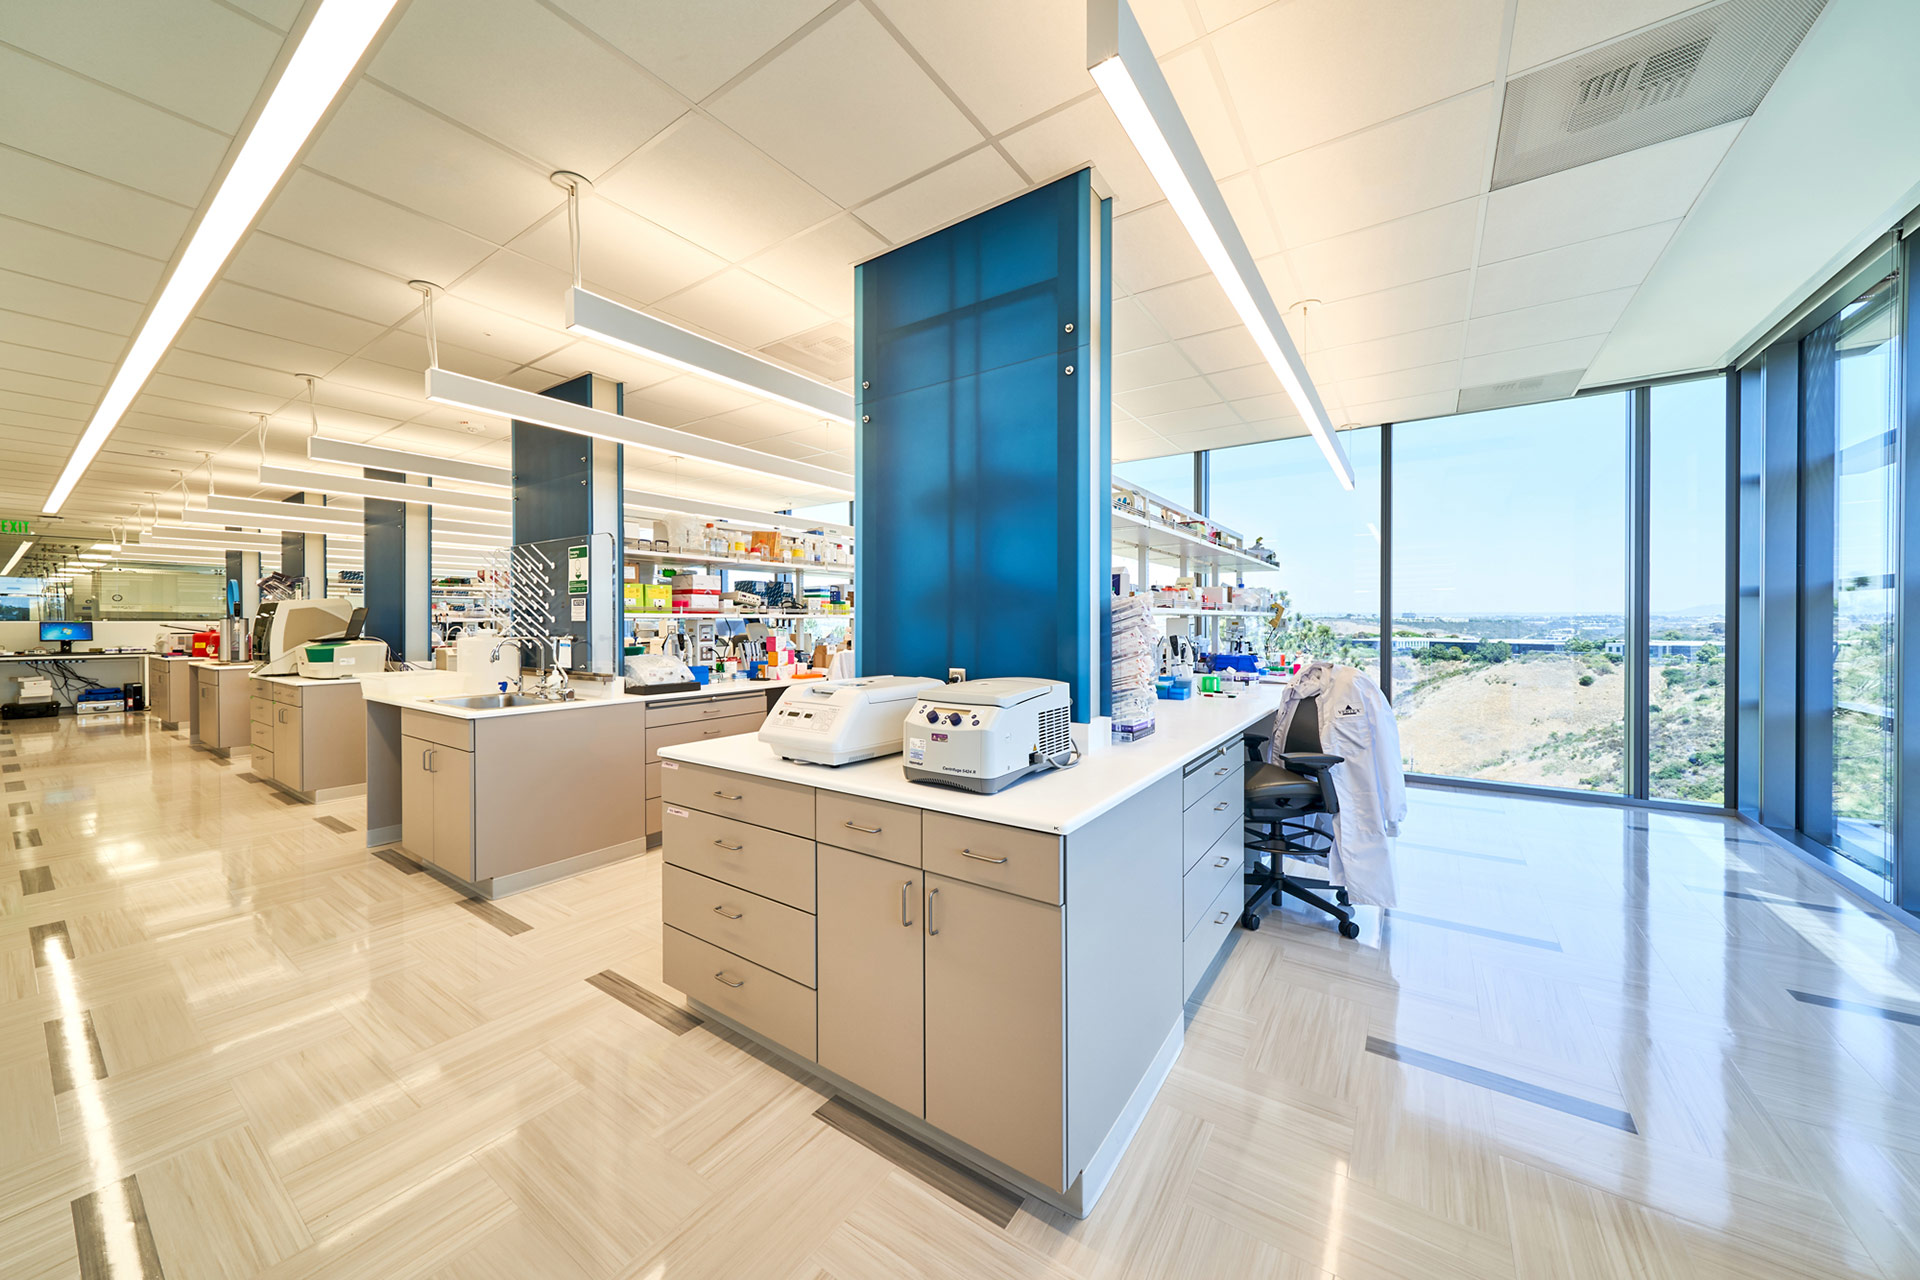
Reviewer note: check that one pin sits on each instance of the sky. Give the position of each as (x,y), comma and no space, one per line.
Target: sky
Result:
(1511,511)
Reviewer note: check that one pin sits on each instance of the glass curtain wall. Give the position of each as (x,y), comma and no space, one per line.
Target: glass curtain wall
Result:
(1171,476)
(1509,583)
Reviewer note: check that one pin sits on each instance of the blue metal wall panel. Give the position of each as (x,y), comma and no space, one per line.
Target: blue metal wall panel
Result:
(384,564)
(551,470)
(977,449)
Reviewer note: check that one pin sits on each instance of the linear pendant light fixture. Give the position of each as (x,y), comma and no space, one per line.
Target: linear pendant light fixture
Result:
(14,559)
(1123,65)
(329,50)
(604,320)
(387,490)
(405,461)
(496,400)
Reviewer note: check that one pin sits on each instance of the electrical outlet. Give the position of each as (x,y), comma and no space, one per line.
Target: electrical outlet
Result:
(956,675)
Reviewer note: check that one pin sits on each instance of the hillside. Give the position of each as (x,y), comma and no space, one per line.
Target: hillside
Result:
(1527,720)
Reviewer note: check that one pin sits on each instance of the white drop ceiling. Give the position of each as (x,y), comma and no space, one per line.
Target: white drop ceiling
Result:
(743,157)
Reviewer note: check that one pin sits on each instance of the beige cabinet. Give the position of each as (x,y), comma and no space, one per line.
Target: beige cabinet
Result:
(310,739)
(871,966)
(170,689)
(289,748)
(995,1013)
(220,719)
(436,805)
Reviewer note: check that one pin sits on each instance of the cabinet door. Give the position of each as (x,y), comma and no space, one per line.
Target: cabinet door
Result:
(452,771)
(870,975)
(289,750)
(416,800)
(995,1025)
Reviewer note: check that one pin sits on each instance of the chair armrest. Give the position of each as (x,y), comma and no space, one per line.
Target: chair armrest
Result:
(1257,747)
(1310,763)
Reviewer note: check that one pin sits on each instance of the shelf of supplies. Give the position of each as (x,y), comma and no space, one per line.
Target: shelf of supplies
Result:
(1168,545)
(728,562)
(758,617)
(1211,613)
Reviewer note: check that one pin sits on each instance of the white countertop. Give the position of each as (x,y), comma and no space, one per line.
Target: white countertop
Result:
(418,691)
(1056,802)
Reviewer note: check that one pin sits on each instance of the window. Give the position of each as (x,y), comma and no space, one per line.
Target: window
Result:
(1170,477)
(1509,593)
(1327,538)
(1687,592)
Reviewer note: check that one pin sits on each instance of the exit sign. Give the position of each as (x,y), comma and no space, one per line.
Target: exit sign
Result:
(15,526)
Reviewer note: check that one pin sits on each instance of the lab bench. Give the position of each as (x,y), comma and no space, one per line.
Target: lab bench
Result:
(218,720)
(1004,976)
(309,737)
(169,681)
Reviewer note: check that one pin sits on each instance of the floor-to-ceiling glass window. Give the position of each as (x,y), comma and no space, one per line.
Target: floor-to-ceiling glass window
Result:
(1171,476)
(1509,593)
(1849,416)
(1327,539)
(1687,592)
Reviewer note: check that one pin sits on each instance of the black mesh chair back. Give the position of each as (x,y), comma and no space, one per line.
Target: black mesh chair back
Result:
(1303,733)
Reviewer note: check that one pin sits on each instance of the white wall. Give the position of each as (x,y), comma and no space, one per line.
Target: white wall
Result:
(16,636)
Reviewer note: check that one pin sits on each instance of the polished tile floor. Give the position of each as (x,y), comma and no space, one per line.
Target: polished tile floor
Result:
(1592,1043)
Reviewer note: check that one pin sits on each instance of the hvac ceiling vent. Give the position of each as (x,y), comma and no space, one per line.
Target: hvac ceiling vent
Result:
(1702,69)
(825,351)
(1535,390)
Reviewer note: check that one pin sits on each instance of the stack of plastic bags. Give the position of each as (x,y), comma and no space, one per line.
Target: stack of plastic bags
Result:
(1135,665)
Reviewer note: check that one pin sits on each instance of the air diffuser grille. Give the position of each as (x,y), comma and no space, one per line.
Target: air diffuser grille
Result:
(825,352)
(1702,69)
(1536,390)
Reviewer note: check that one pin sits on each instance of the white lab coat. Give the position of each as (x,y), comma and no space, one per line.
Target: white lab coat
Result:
(1357,724)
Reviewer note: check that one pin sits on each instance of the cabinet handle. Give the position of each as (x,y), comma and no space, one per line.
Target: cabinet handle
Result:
(1221,773)
(283,715)
(1224,861)
(872,831)
(1222,917)
(730,848)
(731,915)
(1222,805)
(932,929)
(711,732)
(722,976)
(724,796)
(423,761)
(905,919)
(981,857)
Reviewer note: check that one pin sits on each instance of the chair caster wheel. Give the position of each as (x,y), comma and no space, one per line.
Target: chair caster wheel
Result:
(1248,920)
(1348,929)
(1340,896)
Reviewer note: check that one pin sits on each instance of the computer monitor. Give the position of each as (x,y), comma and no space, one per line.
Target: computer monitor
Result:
(66,633)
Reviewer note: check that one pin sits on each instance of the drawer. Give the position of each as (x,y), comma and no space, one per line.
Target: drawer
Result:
(289,693)
(653,780)
(1225,861)
(673,735)
(259,709)
(1206,773)
(890,831)
(778,806)
(715,707)
(759,929)
(1219,809)
(758,999)
(772,864)
(1213,932)
(262,737)
(448,731)
(260,761)
(1013,859)
(260,689)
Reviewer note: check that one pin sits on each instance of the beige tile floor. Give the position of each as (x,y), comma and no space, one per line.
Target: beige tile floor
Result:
(1572,1053)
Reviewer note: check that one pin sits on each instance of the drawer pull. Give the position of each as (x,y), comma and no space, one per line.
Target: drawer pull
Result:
(933,930)
(710,732)
(872,831)
(1223,861)
(1222,917)
(724,796)
(905,919)
(981,857)
(735,848)
(1222,805)
(731,915)
(1221,773)
(722,976)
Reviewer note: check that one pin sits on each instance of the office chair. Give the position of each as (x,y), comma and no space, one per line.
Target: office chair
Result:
(1282,800)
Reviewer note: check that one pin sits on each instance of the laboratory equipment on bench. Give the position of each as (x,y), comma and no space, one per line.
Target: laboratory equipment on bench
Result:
(984,735)
(283,627)
(338,659)
(658,673)
(835,722)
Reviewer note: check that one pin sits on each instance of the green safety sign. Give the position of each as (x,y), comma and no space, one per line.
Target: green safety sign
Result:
(15,526)
(576,571)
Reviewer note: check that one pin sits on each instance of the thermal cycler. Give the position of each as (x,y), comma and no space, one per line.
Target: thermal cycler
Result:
(840,721)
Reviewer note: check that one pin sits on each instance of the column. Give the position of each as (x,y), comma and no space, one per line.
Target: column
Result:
(398,566)
(304,555)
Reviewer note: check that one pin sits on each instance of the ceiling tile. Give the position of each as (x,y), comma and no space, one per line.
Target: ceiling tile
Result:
(1531,362)
(1229,348)
(35,250)
(1009,60)
(51,387)
(496,333)
(817,265)
(1082,134)
(248,308)
(1433,242)
(964,186)
(55,335)
(1248,380)
(323,214)
(527,78)
(1547,29)
(1410,409)
(684,399)
(1634,189)
(1592,266)
(797,107)
(1588,314)
(1402,383)
(52,195)
(1197,88)
(274,384)
(1425,304)
(1431,158)
(29,295)
(587,356)
(386,145)
(1307,72)
(1188,393)
(250,346)
(621,255)
(1190,307)
(1133,328)
(1248,205)
(741,309)
(193,57)
(273,265)
(58,116)
(1384,355)
(677,41)
(706,184)
(517,286)
(1151,248)
(1178,422)
(1150,366)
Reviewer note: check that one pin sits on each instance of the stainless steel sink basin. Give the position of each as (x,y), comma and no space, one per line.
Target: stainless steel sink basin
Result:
(493,701)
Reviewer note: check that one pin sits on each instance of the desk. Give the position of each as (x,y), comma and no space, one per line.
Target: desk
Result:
(1003,976)
(106,668)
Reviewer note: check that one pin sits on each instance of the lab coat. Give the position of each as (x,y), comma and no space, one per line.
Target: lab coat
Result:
(1357,724)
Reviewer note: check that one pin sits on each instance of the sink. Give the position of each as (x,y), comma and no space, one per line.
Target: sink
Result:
(493,701)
